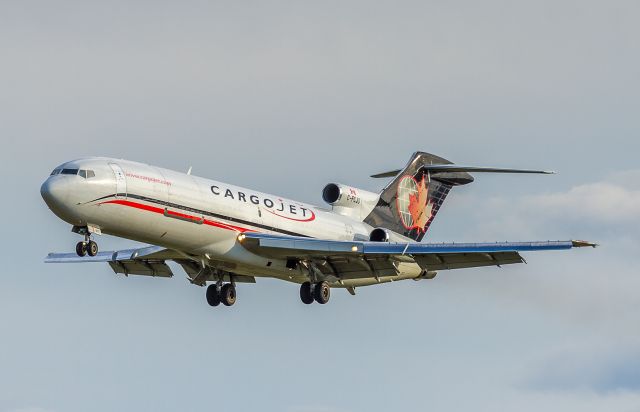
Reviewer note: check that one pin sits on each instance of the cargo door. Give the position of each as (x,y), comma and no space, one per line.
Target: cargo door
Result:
(121,180)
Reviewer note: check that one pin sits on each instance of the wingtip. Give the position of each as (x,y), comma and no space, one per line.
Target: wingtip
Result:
(584,243)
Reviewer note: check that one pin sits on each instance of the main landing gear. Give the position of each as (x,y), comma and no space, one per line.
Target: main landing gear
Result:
(320,292)
(225,294)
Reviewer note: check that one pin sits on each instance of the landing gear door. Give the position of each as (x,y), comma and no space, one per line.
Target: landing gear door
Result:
(121,180)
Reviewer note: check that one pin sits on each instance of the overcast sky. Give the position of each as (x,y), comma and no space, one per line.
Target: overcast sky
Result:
(285,97)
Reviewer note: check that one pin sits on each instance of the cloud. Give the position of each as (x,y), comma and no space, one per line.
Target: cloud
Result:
(607,208)
(586,287)
(605,202)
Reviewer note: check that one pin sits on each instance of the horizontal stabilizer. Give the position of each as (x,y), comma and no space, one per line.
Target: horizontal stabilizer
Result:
(451,168)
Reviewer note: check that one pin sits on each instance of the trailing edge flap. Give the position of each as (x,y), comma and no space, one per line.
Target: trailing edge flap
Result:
(466,260)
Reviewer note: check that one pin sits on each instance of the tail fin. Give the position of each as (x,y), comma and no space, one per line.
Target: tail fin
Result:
(412,200)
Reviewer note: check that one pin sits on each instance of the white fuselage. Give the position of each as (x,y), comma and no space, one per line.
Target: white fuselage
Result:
(194,215)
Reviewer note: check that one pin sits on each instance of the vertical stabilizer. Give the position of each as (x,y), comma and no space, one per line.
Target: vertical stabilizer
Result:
(410,203)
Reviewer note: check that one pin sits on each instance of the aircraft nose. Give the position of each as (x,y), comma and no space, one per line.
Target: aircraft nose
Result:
(54,191)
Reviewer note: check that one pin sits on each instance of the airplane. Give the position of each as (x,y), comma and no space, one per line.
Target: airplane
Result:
(222,235)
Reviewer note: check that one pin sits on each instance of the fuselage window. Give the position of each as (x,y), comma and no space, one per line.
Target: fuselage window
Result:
(69,171)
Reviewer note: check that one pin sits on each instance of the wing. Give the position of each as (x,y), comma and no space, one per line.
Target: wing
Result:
(354,259)
(147,261)
(152,261)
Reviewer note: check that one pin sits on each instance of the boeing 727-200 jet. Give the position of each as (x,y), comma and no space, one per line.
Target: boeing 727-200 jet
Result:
(224,235)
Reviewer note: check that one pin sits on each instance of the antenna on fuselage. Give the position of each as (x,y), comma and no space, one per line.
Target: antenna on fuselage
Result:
(189,171)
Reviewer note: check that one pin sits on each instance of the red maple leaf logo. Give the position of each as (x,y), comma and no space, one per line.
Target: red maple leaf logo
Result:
(419,206)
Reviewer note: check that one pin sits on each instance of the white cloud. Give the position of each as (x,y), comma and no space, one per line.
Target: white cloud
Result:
(608,208)
(593,288)
(607,202)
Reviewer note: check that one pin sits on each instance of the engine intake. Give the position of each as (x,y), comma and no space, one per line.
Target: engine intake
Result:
(349,201)
(331,193)
(379,235)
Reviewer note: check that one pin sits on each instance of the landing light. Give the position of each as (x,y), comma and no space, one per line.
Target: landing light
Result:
(241,237)
(354,248)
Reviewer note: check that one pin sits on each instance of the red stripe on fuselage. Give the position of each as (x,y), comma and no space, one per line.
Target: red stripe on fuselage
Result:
(158,210)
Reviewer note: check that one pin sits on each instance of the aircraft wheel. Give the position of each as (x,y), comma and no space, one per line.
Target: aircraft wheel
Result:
(322,292)
(213,298)
(228,294)
(92,248)
(306,294)
(81,249)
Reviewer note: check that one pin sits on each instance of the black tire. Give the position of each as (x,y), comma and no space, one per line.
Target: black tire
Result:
(213,298)
(81,249)
(306,296)
(322,292)
(228,294)
(92,248)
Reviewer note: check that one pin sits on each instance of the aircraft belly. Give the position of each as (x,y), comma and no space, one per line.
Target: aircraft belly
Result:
(406,271)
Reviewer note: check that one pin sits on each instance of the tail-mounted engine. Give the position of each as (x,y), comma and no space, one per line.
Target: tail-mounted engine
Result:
(350,201)
(379,235)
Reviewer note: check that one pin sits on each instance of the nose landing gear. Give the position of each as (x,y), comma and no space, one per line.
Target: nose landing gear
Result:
(88,247)
(81,249)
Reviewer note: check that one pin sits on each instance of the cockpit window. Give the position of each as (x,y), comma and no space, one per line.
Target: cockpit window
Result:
(87,174)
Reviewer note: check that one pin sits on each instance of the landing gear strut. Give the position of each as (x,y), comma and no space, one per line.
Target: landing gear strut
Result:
(320,292)
(225,294)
